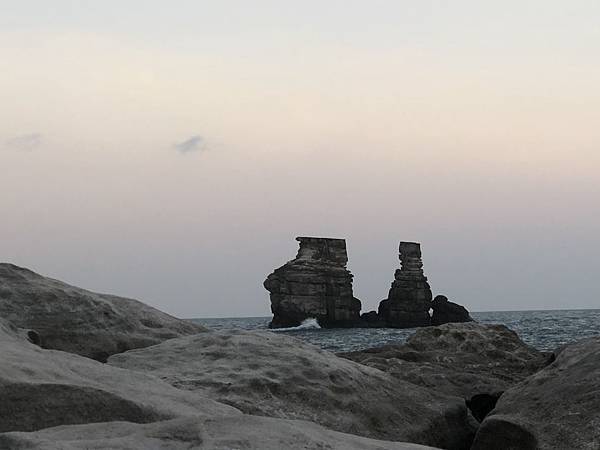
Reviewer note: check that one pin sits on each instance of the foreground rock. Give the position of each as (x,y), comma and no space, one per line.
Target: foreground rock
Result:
(557,408)
(56,400)
(45,388)
(461,359)
(316,284)
(226,433)
(264,373)
(71,319)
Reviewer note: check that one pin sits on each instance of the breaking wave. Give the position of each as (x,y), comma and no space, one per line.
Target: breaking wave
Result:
(307,324)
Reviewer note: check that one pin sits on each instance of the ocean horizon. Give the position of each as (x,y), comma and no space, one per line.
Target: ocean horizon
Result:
(545,330)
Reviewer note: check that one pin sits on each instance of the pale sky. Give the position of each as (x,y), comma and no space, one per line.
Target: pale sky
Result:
(171,151)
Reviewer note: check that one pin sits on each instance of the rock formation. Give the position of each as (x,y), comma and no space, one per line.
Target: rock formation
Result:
(46,388)
(462,359)
(409,299)
(448,312)
(271,374)
(55,400)
(198,433)
(557,408)
(71,319)
(316,284)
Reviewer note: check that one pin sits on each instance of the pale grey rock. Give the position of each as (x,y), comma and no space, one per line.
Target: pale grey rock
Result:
(316,284)
(264,373)
(219,433)
(71,319)
(558,408)
(44,388)
(462,359)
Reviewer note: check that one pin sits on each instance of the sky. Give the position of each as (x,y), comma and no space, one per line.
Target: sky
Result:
(172,151)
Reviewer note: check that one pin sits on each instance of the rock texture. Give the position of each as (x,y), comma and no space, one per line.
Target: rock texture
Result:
(68,318)
(53,400)
(448,312)
(409,299)
(316,284)
(557,408)
(45,388)
(458,359)
(227,433)
(269,374)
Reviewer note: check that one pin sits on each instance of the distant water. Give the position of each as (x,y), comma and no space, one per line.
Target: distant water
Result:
(545,330)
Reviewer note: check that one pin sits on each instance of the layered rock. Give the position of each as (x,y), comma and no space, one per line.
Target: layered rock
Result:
(64,317)
(409,299)
(316,284)
(462,359)
(445,311)
(557,408)
(271,374)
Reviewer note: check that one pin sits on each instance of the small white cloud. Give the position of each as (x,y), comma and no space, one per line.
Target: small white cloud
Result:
(193,144)
(25,142)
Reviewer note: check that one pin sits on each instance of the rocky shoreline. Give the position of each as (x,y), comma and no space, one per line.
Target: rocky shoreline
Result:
(80,370)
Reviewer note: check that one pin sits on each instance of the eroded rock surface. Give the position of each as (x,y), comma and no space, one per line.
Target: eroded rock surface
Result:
(52,400)
(45,388)
(462,359)
(557,408)
(225,433)
(71,319)
(264,373)
(316,284)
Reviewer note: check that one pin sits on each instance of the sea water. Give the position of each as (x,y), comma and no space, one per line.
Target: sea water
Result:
(545,330)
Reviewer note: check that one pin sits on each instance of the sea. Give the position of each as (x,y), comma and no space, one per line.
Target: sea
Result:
(544,330)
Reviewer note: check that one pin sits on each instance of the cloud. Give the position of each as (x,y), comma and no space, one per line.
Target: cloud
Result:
(25,142)
(193,144)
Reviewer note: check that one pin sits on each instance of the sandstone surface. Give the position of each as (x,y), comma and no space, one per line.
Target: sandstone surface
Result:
(75,320)
(219,433)
(45,388)
(558,408)
(264,373)
(461,359)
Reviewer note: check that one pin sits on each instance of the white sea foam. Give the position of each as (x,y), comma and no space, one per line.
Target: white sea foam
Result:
(307,324)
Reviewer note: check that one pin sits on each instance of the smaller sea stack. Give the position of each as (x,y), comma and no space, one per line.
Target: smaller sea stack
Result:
(409,299)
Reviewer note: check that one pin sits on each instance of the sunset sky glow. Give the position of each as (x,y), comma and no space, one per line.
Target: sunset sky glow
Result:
(172,151)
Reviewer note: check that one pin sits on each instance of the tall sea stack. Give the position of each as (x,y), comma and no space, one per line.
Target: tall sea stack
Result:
(409,299)
(316,284)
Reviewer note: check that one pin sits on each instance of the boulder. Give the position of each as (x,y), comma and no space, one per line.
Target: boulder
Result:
(45,388)
(409,299)
(53,400)
(268,374)
(557,408)
(64,317)
(316,284)
(219,433)
(457,359)
(448,312)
